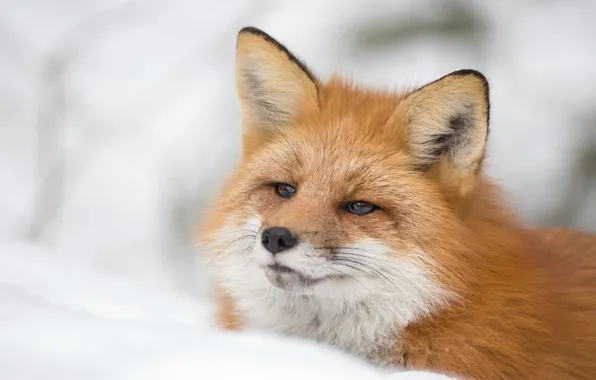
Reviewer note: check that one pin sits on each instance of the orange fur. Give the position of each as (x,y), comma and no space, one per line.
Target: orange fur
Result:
(526,299)
(226,315)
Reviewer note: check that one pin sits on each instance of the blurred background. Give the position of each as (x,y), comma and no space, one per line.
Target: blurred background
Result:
(118,119)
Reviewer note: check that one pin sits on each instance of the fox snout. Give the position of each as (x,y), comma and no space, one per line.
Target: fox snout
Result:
(278,239)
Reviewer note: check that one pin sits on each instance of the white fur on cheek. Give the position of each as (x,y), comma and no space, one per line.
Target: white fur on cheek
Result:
(261,255)
(233,252)
(379,274)
(362,313)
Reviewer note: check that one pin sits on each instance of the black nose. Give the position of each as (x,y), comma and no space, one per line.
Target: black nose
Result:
(277,239)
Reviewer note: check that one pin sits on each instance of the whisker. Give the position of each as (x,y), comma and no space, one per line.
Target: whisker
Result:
(339,248)
(375,271)
(350,277)
(234,241)
(370,257)
(376,263)
(373,263)
(243,231)
(248,262)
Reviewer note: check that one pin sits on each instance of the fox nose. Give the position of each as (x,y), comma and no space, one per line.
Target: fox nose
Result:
(277,239)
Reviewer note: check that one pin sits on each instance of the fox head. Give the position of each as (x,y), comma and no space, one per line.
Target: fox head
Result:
(345,191)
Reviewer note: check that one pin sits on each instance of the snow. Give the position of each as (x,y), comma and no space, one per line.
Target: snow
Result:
(68,321)
(118,121)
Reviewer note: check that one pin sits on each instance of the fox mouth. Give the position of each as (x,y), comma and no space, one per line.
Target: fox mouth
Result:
(285,277)
(281,268)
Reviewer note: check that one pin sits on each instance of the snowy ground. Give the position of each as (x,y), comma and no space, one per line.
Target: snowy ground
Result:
(65,321)
(118,119)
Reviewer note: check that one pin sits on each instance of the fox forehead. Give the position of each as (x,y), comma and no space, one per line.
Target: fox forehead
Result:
(368,108)
(348,118)
(324,162)
(346,139)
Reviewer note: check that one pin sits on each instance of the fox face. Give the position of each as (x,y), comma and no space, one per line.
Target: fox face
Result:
(346,198)
(325,215)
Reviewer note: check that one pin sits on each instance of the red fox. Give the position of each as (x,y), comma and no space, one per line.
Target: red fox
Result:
(362,219)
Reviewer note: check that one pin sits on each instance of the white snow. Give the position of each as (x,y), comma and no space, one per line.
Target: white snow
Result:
(128,109)
(64,321)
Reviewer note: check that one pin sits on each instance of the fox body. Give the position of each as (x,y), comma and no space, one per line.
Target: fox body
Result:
(362,219)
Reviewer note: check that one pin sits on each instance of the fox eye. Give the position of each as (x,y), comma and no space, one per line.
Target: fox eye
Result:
(284,190)
(360,207)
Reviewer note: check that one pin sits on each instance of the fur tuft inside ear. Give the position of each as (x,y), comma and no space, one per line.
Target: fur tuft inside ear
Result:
(273,85)
(448,119)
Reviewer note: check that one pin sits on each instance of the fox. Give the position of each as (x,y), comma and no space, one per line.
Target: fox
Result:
(362,219)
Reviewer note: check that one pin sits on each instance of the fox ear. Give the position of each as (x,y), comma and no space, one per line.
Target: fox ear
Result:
(447,126)
(273,86)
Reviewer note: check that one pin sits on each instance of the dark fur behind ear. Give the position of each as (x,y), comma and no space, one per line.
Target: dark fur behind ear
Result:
(449,118)
(482,78)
